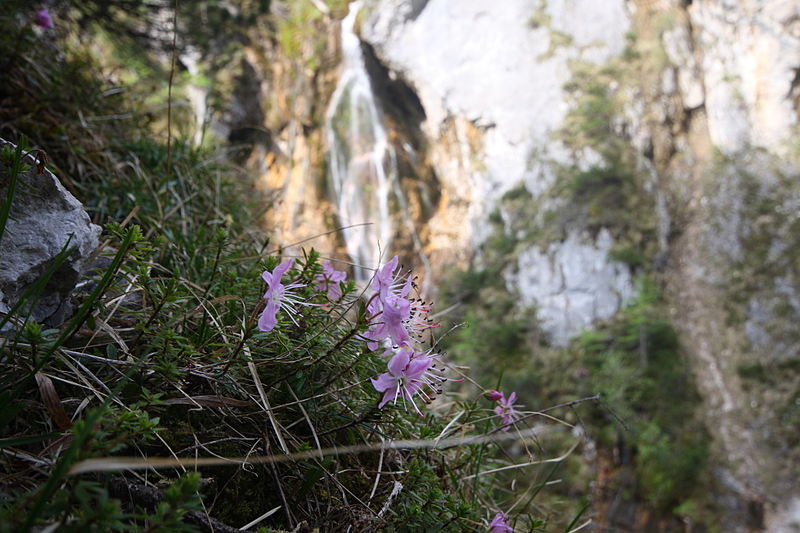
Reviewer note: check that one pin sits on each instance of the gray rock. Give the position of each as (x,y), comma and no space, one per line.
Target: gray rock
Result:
(44,218)
(751,49)
(572,284)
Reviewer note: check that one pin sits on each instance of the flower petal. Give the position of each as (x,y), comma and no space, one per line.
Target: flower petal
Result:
(398,363)
(388,395)
(268,318)
(418,366)
(281,269)
(384,382)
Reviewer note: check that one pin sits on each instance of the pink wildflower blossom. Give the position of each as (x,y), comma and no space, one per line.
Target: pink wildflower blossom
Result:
(329,281)
(499,524)
(493,395)
(395,316)
(506,409)
(44,20)
(409,374)
(278,296)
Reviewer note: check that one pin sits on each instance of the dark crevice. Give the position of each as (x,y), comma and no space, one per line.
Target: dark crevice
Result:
(403,117)
(416,9)
(245,115)
(399,101)
(794,91)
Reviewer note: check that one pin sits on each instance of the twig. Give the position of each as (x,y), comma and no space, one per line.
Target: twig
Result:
(595,398)
(395,492)
(169,89)
(521,465)
(267,407)
(110,464)
(262,517)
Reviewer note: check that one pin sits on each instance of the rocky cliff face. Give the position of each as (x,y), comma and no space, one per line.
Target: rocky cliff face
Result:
(701,101)
(475,69)
(603,142)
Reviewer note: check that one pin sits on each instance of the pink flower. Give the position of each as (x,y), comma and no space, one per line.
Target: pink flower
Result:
(278,296)
(493,395)
(506,409)
(409,372)
(44,20)
(499,524)
(388,280)
(329,281)
(395,316)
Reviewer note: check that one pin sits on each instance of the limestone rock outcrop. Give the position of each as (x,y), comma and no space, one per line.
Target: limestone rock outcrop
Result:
(45,219)
(474,69)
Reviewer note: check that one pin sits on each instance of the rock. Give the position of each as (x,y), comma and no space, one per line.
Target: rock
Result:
(751,50)
(677,45)
(446,49)
(44,217)
(491,82)
(572,284)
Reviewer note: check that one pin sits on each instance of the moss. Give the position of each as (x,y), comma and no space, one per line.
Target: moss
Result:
(300,34)
(755,371)
(558,39)
(540,19)
(613,193)
(627,255)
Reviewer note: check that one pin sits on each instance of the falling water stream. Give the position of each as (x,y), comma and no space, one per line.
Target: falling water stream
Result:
(363,165)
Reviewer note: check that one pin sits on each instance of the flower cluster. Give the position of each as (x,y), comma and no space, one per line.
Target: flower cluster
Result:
(410,373)
(284,297)
(505,409)
(330,281)
(395,316)
(397,321)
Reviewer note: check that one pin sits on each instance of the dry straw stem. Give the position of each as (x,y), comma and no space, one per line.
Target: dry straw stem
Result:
(108,464)
(522,465)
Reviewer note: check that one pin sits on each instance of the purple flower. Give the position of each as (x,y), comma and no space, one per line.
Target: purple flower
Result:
(499,524)
(506,409)
(278,296)
(44,20)
(329,281)
(394,315)
(387,279)
(409,372)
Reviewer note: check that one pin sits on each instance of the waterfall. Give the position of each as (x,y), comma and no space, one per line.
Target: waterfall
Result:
(363,165)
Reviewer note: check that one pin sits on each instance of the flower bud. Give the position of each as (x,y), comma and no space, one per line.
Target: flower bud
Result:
(493,395)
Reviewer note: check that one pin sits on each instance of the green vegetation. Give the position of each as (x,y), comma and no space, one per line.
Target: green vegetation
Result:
(163,360)
(635,363)
(613,193)
(298,31)
(645,425)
